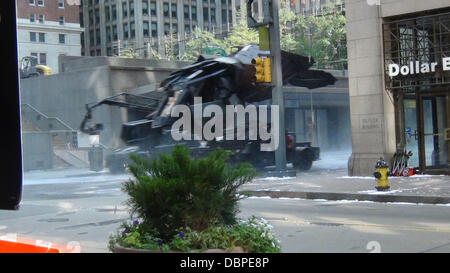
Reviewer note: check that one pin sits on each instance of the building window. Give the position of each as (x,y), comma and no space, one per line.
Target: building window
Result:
(205,14)
(61,4)
(124,9)
(153,8)
(34,54)
(61,20)
(131,8)
(108,34)
(125,31)
(32,18)
(145,8)
(108,51)
(97,16)
(41,18)
(194,13)
(62,38)
(91,18)
(186,11)
(43,58)
(97,36)
(174,10)
(213,16)
(174,28)
(224,16)
(115,35)
(187,29)
(132,30)
(154,30)
(99,52)
(166,29)
(32,36)
(81,20)
(40,3)
(114,12)
(107,15)
(32,3)
(166,9)
(91,37)
(146,28)
(41,37)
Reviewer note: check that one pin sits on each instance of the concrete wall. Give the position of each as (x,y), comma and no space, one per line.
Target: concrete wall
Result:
(398,7)
(371,106)
(89,80)
(37,151)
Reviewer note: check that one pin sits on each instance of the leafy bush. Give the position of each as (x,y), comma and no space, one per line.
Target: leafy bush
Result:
(175,191)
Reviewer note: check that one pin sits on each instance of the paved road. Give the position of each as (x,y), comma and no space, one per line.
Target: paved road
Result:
(88,212)
(346,226)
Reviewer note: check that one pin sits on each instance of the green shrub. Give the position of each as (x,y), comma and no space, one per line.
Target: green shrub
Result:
(175,191)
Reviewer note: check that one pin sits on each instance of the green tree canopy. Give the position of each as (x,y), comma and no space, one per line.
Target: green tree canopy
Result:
(321,37)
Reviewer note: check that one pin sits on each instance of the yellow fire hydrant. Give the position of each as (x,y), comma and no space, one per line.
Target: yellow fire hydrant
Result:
(381,174)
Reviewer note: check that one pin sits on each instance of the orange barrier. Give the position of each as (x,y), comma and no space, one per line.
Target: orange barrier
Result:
(24,245)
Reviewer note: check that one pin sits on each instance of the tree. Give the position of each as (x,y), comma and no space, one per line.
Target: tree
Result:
(128,53)
(197,43)
(321,37)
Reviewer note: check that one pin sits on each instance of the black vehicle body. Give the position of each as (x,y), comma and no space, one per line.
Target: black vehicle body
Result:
(218,81)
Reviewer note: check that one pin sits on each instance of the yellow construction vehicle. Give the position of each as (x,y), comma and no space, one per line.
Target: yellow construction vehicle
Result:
(29,67)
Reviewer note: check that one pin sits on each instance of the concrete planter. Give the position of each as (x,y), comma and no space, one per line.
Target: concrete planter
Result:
(119,249)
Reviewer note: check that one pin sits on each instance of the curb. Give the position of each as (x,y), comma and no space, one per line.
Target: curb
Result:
(333,196)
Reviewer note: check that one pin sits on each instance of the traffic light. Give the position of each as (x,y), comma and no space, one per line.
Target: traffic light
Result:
(262,69)
(267,71)
(259,70)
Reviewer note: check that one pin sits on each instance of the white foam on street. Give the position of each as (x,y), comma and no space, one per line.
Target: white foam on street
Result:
(271,178)
(375,192)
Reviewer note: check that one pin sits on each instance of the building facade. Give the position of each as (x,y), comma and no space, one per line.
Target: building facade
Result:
(47,29)
(399,81)
(146,25)
(315,7)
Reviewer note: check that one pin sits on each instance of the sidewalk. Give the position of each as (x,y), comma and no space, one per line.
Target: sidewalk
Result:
(328,180)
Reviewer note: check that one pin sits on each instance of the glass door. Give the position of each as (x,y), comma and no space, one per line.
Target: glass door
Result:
(411,135)
(435,136)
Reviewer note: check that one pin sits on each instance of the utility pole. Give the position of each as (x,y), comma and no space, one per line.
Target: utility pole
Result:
(270,20)
(277,91)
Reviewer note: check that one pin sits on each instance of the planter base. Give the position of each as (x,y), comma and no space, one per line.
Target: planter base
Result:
(119,249)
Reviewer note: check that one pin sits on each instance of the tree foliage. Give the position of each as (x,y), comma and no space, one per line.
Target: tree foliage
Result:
(321,37)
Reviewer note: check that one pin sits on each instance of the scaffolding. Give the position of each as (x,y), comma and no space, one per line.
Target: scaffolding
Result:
(425,39)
